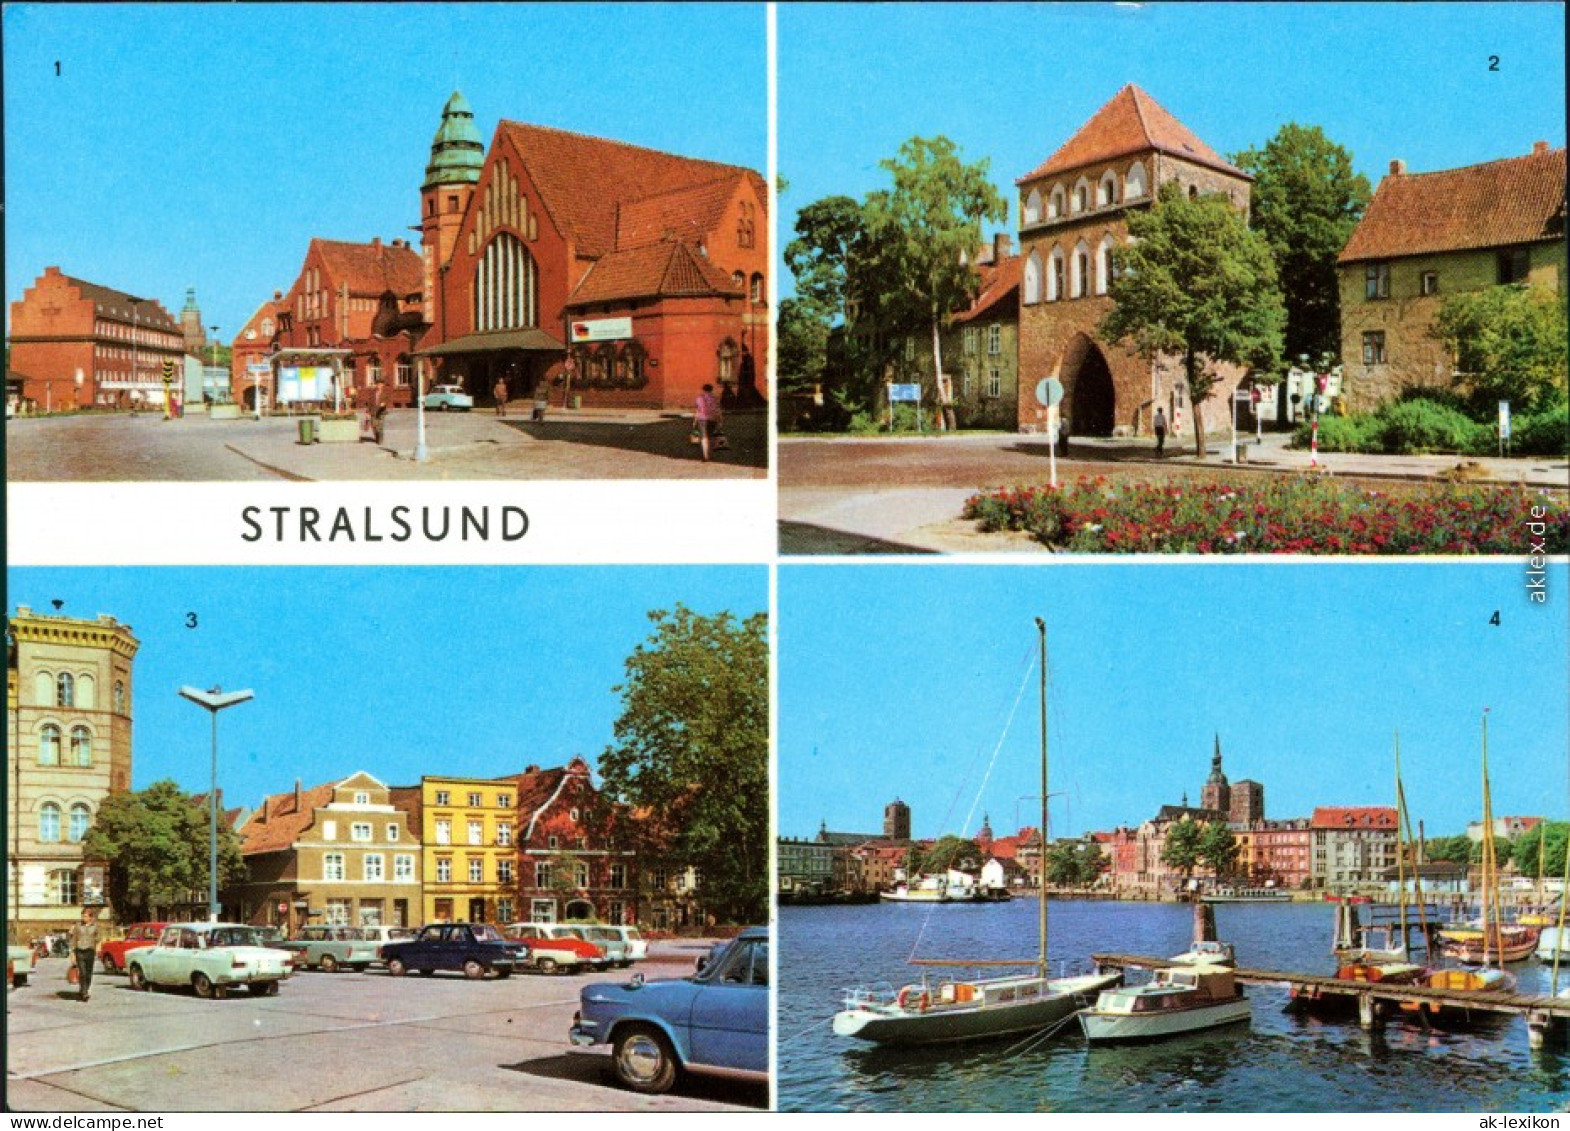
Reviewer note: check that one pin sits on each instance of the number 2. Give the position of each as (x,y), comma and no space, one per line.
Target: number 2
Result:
(1493,62)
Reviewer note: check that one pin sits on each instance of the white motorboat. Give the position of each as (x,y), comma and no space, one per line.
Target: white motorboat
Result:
(1181,999)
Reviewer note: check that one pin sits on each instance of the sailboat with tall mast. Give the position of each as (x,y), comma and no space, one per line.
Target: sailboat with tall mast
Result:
(952,1010)
(1491,939)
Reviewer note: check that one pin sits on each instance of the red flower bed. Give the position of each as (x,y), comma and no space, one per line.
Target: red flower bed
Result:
(1276,516)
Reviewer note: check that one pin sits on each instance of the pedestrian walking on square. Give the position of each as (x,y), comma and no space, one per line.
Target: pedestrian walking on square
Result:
(707,419)
(1160,426)
(542,398)
(500,392)
(83,939)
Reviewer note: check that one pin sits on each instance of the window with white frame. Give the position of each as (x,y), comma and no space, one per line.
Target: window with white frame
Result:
(393,831)
(504,910)
(476,800)
(404,373)
(1033,206)
(443,797)
(332,866)
(581,873)
(476,870)
(1080,202)
(1134,185)
(1079,272)
(444,869)
(362,797)
(504,871)
(443,832)
(1104,265)
(1032,281)
(63,887)
(360,830)
(81,746)
(49,823)
(329,830)
(618,875)
(337,913)
(1055,288)
(1055,203)
(504,835)
(403,868)
(994,382)
(81,817)
(48,745)
(542,874)
(375,868)
(476,832)
(1107,191)
(65,690)
(504,801)
(994,339)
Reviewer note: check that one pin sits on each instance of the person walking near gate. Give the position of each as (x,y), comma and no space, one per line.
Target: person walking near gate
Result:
(1160,426)
(707,418)
(500,393)
(83,940)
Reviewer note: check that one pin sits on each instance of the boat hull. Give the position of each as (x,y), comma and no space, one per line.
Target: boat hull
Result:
(1554,940)
(898,1026)
(1508,944)
(1130,1027)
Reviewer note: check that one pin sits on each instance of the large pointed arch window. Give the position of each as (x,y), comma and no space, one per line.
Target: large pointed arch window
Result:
(1033,206)
(1104,265)
(1033,278)
(1055,288)
(506,286)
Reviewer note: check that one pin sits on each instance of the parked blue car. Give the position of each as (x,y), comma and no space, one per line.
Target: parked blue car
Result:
(477,949)
(715,1022)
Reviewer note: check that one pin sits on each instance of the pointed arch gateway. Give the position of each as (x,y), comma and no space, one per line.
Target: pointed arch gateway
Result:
(1089,396)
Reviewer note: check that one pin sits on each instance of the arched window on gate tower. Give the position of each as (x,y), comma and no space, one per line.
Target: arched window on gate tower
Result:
(1032,293)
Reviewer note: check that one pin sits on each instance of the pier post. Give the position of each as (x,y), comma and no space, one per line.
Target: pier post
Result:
(1368,1011)
(1538,1026)
(1204,922)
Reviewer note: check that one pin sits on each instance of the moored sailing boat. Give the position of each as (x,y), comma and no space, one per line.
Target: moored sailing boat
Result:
(956,1010)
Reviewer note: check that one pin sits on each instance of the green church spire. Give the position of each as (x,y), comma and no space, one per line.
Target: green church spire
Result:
(457,154)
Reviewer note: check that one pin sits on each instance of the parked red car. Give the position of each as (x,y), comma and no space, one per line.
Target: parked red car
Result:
(112,952)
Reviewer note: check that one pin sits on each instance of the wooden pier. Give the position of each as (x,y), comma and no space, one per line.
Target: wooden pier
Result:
(1377,1000)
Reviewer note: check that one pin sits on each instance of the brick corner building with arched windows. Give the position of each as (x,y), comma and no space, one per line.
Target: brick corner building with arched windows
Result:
(603,273)
(68,724)
(1073,214)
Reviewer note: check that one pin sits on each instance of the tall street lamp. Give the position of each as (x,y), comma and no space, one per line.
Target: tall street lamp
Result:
(136,304)
(215,700)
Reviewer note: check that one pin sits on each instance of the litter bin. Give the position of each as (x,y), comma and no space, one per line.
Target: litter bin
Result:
(307,429)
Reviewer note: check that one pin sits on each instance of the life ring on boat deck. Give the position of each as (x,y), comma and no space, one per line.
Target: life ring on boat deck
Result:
(923,1000)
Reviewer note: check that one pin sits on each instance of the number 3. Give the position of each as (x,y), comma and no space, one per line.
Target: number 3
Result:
(190,620)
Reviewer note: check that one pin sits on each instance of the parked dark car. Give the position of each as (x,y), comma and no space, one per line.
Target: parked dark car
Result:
(716,1021)
(476,949)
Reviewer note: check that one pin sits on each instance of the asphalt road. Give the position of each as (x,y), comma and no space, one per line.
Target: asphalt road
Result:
(331,1042)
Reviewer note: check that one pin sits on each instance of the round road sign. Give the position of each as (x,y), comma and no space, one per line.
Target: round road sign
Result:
(1049,391)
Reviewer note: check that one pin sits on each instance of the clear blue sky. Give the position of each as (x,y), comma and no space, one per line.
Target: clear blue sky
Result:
(896,680)
(205,144)
(399,672)
(1012,82)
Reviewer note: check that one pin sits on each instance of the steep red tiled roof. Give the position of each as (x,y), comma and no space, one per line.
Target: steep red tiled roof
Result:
(659,270)
(1130,122)
(372,268)
(1377,817)
(149,312)
(280,821)
(1514,201)
(688,213)
(582,179)
(999,292)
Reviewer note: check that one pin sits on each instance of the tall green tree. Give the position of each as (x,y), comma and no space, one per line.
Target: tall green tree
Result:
(1075,863)
(691,754)
(950,852)
(927,228)
(1218,849)
(1196,282)
(1509,343)
(157,845)
(1306,200)
(1547,840)
(1181,848)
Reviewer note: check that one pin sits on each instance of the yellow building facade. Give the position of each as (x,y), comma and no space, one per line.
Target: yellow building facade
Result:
(470,857)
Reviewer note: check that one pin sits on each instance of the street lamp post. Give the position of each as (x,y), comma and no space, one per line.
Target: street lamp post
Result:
(136,304)
(214,701)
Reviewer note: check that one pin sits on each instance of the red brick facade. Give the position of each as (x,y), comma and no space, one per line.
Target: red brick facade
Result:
(571,864)
(1073,213)
(75,344)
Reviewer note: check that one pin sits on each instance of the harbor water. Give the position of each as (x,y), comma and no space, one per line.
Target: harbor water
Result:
(1282,1060)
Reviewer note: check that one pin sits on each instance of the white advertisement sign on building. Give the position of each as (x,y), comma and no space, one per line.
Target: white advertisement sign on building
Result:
(602,329)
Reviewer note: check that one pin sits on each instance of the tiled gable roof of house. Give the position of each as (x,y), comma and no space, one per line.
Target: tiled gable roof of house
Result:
(1366,817)
(372,268)
(689,213)
(999,294)
(282,818)
(582,179)
(1130,122)
(149,312)
(665,270)
(1498,204)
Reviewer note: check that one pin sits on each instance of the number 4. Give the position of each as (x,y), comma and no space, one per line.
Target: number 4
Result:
(1495,618)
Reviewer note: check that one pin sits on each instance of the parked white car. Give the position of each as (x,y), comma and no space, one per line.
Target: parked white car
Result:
(210,958)
(449,398)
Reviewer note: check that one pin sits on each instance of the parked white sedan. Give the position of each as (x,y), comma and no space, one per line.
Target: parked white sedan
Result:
(449,398)
(210,958)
